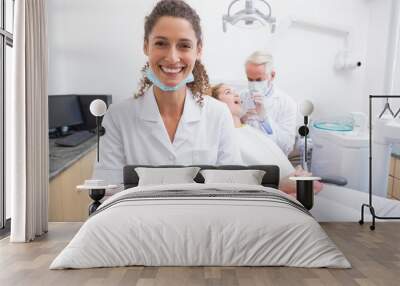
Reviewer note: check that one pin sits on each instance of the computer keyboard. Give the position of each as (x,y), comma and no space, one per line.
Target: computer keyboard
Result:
(75,139)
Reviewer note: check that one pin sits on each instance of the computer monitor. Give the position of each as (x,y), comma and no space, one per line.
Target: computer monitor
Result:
(64,110)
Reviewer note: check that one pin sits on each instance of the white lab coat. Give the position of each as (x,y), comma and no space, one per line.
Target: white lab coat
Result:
(136,134)
(258,149)
(281,114)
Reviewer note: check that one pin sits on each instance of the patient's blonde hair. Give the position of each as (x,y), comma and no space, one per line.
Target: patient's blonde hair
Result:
(261,58)
(215,90)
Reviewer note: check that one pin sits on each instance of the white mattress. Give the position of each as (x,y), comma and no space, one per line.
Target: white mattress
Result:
(206,231)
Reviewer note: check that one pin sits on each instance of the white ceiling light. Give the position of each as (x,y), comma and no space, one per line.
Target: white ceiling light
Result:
(250,16)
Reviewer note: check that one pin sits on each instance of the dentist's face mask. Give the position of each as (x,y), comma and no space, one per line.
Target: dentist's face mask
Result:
(263,87)
(154,79)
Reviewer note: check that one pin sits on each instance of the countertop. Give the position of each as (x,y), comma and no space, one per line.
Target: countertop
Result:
(63,157)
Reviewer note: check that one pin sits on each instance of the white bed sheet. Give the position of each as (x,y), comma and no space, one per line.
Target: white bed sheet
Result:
(223,232)
(341,204)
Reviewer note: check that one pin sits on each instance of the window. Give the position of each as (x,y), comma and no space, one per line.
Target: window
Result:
(6,44)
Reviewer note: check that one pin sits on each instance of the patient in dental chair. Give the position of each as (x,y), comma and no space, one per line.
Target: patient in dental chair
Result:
(255,147)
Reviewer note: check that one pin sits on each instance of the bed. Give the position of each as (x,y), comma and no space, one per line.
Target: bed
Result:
(201,224)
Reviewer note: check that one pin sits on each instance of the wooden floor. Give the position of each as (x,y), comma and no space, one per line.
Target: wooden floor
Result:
(374,255)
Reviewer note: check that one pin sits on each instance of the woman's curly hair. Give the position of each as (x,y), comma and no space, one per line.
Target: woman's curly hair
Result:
(179,9)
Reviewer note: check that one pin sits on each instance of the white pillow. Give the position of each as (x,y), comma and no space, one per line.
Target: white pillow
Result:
(164,176)
(248,177)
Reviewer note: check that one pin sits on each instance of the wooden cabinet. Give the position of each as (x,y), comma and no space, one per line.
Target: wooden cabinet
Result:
(396,189)
(392,165)
(394,179)
(396,168)
(390,188)
(66,203)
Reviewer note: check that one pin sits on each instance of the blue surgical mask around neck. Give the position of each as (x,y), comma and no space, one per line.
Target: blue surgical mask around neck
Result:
(154,79)
(263,87)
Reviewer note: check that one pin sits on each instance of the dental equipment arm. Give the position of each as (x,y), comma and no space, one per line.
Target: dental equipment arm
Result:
(305,108)
(335,180)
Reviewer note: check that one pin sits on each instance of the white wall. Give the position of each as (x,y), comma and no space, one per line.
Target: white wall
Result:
(392,80)
(95,46)
(381,51)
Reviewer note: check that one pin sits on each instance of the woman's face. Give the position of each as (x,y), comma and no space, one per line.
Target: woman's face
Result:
(231,98)
(172,49)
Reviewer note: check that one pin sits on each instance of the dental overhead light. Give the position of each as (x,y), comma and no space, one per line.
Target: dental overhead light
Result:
(250,16)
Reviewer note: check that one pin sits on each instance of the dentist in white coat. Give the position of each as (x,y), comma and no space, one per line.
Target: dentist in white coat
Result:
(273,111)
(169,121)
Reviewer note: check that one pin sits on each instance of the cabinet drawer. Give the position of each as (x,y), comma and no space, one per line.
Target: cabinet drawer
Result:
(392,166)
(390,187)
(396,189)
(66,203)
(396,168)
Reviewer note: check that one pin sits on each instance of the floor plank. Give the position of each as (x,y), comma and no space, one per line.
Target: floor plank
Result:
(374,255)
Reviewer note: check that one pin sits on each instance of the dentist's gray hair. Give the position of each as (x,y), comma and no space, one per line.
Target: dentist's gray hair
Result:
(261,58)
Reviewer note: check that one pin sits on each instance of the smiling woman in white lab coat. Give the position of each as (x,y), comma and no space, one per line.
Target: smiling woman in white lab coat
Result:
(169,121)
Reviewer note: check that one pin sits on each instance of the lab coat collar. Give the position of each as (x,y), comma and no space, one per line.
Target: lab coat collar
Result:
(149,109)
(151,116)
(150,112)
(188,122)
(192,109)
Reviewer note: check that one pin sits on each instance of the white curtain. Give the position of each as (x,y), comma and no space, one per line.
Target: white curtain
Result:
(28,123)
